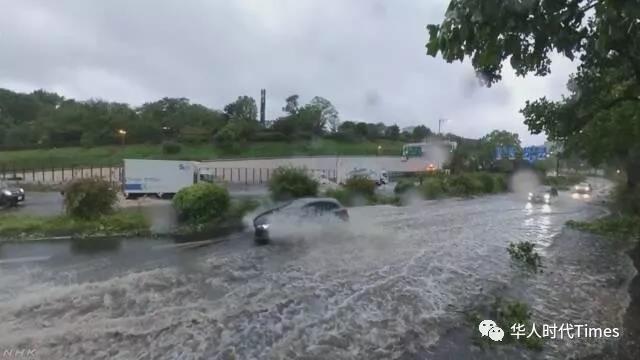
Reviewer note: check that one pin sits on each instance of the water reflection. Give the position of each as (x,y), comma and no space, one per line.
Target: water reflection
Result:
(91,246)
(577,196)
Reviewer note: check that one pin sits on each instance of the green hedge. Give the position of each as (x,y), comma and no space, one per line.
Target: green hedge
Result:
(342,195)
(625,226)
(404,185)
(361,185)
(350,198)
(464,185)
(89,198)
(201,202)
(170,147)
(626,201)
(290,183)
(467,184)
(563,182)
(433,188)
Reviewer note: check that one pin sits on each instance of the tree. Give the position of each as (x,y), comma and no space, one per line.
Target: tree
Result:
(243,109)
(526,32)
(497,138)
(310,120)
(228,136)
(502,138)
(392,132)
(291,106)
(347,126)
(362,129)
(285,125)
(605,35)
(420,133)
(329,113)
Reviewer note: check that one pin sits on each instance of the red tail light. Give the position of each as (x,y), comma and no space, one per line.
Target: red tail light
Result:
(343,214)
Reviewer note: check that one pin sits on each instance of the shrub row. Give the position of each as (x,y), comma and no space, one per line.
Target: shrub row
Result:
(201,203)
(439,185)
(289,183)
(563,182)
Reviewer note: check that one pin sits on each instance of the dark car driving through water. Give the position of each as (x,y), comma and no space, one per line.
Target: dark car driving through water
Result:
(542,197)
(10,195)
(582,188)
(297,212)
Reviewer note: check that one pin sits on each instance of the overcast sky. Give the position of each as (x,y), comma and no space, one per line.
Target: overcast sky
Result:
(366,56)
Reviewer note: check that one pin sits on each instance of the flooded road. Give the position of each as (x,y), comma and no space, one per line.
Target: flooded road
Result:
(392,284)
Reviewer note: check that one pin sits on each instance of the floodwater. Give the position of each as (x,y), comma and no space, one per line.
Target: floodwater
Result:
(393,284)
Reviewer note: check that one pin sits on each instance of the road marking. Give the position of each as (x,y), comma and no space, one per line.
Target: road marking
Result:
(25,259)
(187,245)
(181,245)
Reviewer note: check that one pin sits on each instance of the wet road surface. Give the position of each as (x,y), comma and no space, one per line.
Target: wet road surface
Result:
(392,284)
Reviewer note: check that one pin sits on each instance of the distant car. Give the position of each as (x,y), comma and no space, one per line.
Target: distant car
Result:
(543,197)
(297,211)
(380,178)
(322,179)
(583,188)
(10,196)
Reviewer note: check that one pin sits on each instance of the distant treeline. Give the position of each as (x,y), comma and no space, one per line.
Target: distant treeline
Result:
(44,119)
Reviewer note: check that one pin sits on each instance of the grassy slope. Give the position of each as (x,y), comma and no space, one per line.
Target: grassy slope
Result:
(113,155)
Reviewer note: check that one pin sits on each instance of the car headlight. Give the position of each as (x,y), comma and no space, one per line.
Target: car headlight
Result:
(6,192)
(21,190)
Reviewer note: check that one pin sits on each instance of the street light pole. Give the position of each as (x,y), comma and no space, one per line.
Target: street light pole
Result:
(123,134)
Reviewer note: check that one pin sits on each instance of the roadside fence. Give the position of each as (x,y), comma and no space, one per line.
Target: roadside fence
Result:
(233,175)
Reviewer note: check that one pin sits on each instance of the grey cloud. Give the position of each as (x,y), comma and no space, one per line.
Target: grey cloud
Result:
(367,57)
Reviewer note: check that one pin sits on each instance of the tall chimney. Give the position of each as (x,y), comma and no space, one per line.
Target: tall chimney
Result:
(263,95)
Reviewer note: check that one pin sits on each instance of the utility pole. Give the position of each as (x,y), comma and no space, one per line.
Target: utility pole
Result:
(263,100)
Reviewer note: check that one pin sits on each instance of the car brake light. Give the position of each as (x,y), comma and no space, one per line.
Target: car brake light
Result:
(343,214)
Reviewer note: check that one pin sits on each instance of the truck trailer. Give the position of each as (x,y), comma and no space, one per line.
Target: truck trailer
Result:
(161,178)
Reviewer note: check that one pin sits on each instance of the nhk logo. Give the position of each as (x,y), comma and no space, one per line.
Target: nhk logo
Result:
(18,354)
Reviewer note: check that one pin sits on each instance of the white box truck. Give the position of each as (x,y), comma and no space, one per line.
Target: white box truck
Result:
(162,178)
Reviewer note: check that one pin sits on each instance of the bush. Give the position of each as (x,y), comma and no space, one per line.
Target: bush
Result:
(464,185)
(227,136)
(524,252)
(626,201)
(563,182)
(361,185)
(201,202)
(269,136)
(290,183)
(625,226)
(89,198)
(432,188)
(501,183)
(403,186)
(488,182)
(170,147)
(342,195)
(88,140)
